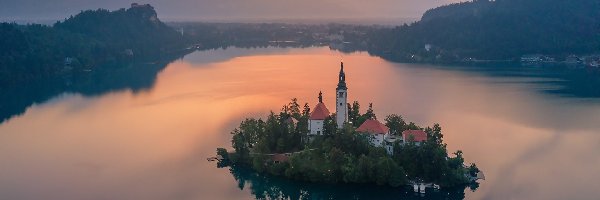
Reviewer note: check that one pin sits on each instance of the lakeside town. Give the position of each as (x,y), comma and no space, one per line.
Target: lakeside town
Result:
(571,60)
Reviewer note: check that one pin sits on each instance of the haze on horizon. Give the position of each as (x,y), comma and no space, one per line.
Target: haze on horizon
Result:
(227,10)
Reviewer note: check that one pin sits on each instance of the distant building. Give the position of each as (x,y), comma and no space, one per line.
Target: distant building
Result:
(536,58)
(531,58)
(68,61)
(335,38)
(376,132)
(280,158)
(390,141)
(417,136)
(573,59)
(317,118)
(137,5)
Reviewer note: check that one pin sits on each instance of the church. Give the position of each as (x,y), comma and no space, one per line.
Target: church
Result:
(377,132)
(320,113)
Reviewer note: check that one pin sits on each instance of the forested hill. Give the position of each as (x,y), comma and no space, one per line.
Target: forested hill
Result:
(137,28)
(501,29)
(85,42)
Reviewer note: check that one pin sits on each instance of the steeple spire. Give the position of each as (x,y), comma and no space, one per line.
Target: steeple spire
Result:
(320,97)
(342,78)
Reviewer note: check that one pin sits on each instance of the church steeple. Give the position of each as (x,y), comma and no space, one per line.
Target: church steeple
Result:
(341,107)
(342,79)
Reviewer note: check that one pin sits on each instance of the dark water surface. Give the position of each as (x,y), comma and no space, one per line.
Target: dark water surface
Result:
(535,131)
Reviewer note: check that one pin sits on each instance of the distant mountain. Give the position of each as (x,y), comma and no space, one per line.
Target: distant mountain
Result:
(83,42)
(501,29)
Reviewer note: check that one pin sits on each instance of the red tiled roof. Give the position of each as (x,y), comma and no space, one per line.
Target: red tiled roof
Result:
(320,112)
(373,126)
(279,158)
(419,135)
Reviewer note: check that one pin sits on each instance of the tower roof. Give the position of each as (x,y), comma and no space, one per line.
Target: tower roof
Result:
(373,126)
(342,79)
(320,112)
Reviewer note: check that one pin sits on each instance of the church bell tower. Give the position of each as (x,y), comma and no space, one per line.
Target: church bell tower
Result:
(341,102)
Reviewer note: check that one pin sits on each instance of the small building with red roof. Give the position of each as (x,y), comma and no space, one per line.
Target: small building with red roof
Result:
(280,158)
(317,118)
(375,130)
(417,136)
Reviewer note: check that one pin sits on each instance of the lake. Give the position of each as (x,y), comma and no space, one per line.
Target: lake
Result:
(534,131)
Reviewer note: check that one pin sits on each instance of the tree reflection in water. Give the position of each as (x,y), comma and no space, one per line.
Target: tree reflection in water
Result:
(271,187)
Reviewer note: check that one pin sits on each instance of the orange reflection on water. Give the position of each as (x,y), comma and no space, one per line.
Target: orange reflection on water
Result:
(153,144)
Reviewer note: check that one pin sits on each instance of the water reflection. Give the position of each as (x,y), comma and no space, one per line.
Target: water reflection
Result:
(16,99)
(269,187)
(560,80)
(146,134)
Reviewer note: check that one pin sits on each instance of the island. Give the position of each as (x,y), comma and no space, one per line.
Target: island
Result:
(348,146)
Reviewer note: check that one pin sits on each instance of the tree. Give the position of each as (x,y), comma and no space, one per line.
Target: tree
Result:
(370,114)
(294,108)
(383,170)
(364,169)
(412,126)
(223,153)
(306,110)
(337,159)
(434,135)
(258,163)
(329,126)
(240,145)
(458,160)
(251,129)
(354,114)
(397,176)
(473,170)
(395,123)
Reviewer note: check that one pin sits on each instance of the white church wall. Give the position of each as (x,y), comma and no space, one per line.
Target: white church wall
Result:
(316,127)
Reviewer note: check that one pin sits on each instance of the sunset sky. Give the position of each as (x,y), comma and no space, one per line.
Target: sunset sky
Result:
(176,10)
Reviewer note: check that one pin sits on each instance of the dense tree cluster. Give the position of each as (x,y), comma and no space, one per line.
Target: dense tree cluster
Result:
(495,30)
(344,155)
(277,134)
(82,42)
